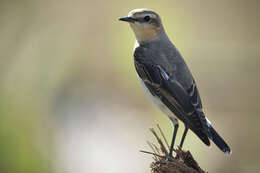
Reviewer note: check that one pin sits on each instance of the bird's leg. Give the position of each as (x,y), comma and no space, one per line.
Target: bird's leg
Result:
(175,126)
(183,136)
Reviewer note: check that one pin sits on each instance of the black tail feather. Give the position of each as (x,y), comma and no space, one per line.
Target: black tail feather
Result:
(202,137)
(222,145)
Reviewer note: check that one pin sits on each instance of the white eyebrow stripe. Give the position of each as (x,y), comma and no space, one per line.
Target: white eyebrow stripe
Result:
(142,15)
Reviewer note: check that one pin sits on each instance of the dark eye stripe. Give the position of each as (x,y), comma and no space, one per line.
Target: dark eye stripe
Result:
(147,18)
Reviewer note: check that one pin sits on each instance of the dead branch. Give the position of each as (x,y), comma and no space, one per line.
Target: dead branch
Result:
(183,162)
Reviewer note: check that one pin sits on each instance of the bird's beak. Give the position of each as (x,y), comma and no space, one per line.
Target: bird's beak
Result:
(127,19)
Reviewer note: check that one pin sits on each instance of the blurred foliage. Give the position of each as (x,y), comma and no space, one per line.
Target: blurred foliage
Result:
(55,55)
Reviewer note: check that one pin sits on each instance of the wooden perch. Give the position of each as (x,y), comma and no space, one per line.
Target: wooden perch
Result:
(183,162)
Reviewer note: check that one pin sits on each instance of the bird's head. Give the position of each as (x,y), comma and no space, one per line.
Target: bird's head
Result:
(145,23)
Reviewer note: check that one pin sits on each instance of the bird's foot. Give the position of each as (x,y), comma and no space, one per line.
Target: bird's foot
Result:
(169,157)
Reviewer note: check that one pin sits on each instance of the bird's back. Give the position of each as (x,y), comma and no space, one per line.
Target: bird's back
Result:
(162,52)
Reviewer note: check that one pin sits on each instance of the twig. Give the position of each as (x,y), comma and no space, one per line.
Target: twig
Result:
(182,163)
(153,147)
(157,149)
(163,136)
(147,152)
(163,149)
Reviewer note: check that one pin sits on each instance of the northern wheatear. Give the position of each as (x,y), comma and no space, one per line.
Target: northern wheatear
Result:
(167,79)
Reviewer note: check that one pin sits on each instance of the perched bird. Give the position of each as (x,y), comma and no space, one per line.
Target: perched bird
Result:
(167,80)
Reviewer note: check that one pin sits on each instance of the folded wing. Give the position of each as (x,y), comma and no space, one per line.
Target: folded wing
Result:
(184,103)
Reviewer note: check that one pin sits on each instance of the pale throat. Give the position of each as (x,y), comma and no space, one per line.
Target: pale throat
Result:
(146,34)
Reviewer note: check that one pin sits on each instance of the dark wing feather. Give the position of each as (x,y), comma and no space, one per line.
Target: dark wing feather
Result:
(185,104)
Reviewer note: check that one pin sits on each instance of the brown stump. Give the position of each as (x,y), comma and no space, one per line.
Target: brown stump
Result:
(183,162)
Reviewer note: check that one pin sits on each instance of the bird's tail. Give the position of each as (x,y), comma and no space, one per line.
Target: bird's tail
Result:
(222,145)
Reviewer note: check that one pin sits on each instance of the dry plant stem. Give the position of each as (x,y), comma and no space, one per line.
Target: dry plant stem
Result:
(157,149)
(163,149)
(182,163)
(154,150)
(152,146)
(168,146)
(147,152)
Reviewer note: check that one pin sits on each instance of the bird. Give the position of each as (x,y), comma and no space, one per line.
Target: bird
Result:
(167,80)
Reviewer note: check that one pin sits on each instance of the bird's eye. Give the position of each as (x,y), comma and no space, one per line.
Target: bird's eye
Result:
(147,18)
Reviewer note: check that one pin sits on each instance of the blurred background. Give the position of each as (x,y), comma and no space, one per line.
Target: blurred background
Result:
(70,100)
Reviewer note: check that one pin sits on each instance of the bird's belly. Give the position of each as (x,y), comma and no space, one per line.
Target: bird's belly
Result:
(157,102)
